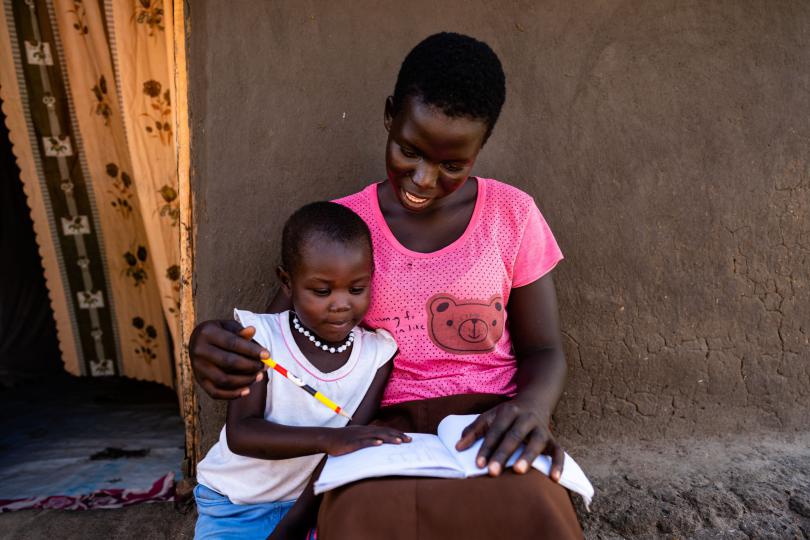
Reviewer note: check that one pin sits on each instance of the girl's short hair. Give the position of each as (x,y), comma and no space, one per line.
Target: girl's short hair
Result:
(328,220)
(456,73)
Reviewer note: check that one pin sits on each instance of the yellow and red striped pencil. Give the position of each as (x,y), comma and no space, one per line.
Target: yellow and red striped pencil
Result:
(297,381)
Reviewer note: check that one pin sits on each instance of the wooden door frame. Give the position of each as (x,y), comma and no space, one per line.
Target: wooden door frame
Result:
(185,377)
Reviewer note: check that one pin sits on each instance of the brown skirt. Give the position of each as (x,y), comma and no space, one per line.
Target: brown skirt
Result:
(511,506)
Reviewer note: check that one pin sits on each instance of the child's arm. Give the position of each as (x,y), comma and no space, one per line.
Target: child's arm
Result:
(304,513)
(249,434)
(534,327)
(371,402)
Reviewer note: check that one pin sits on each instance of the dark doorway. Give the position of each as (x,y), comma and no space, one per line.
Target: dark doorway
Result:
(68,442)
(28,346)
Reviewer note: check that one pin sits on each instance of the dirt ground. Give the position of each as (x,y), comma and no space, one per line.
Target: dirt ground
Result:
(736,487)
(746,486)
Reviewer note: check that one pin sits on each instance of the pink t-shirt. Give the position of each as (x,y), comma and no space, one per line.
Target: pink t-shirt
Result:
(446,308)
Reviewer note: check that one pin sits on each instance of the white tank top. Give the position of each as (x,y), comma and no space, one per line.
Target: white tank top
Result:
(247,480)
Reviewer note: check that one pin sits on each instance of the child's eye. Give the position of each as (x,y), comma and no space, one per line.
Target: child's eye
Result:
(357,290)
(407,152)
(452,167)
(321,292)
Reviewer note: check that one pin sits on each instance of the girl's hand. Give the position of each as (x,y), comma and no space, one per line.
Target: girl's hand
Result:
(507,426)
(224,359)
(352,438)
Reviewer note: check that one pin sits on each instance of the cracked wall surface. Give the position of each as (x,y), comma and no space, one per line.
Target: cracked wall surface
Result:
(667,144)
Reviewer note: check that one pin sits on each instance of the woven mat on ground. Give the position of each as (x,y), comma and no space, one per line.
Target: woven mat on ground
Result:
(83,444)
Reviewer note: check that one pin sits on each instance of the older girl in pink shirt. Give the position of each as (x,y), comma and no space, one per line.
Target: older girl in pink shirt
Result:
(462,281)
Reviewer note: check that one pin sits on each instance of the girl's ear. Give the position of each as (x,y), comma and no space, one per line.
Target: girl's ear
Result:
(389,112)
(284,278)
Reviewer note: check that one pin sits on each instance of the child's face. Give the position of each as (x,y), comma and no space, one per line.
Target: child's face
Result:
(429,155)
(330,288)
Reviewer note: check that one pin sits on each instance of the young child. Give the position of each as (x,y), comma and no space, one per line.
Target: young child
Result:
(277,433)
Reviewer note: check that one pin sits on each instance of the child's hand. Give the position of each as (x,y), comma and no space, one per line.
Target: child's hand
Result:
(352,438)
(504,428)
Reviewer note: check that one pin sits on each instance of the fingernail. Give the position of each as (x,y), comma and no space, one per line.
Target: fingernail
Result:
(244,392)
(264,355)
(555,476)
(398,440)
(494,469)
(480,462)
(521,466)
(378,441)
(259,376)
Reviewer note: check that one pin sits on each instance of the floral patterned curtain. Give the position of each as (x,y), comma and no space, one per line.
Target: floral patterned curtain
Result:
(87,89)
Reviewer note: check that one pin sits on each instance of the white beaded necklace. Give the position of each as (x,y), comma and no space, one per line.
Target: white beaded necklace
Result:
(311,335)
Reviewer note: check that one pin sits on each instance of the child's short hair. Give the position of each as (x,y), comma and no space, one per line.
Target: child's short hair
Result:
(456,73)
(329,220)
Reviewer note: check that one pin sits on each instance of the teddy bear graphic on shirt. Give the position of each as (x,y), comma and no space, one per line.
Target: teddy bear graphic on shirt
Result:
(465,326)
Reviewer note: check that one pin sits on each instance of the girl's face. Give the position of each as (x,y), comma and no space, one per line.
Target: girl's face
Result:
(429,155)
(330,288)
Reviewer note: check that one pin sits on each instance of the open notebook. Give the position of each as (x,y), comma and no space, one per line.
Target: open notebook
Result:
(436,456)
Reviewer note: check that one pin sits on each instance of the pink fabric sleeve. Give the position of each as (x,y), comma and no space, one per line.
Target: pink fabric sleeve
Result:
(538,253)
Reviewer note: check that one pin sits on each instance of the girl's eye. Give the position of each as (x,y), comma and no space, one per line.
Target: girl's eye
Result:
(452,167)
(357,290)
(407,152)
(321,292)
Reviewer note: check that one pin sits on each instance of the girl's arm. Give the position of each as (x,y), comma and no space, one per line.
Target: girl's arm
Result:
(249,434)
(304,513)
(534,327)
(367,409)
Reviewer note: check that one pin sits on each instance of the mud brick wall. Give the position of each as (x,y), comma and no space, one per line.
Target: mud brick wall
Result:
(667,143)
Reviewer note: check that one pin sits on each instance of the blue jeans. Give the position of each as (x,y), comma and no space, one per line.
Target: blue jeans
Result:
(220,519)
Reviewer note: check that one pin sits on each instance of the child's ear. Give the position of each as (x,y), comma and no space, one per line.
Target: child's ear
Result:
(284,278)
(389,112)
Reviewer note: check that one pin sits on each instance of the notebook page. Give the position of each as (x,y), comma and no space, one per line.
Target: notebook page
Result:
(449,431)
(573,478)
(425,455)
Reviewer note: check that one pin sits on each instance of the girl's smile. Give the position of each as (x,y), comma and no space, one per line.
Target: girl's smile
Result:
(429,155)
(414,200)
